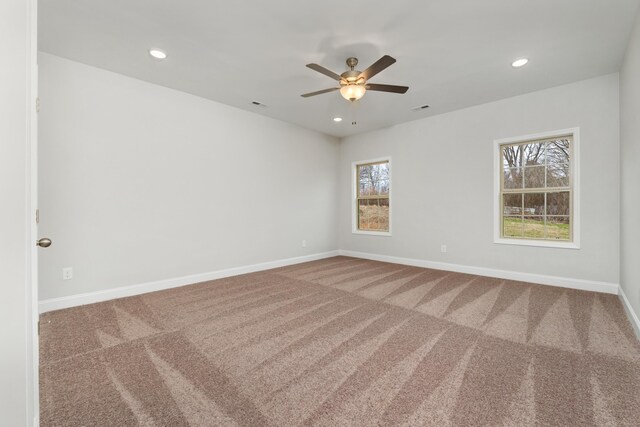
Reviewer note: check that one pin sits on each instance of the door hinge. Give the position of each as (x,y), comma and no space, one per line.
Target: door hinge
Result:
(37,216)
(37,105)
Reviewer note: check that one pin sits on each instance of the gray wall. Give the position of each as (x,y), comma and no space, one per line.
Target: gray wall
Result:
(141,183)
(442,189)
(630,171)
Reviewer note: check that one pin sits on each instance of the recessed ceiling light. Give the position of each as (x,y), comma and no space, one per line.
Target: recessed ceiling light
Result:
(157,53)
(519,63)
(337,119)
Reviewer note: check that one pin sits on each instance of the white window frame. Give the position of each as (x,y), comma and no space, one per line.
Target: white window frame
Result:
(574,165)
(354,197)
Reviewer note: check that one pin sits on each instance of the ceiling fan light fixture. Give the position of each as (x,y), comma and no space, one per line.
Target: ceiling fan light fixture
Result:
(353,83)
(352,92)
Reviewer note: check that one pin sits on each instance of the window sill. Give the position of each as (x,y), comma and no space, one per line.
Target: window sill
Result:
(538,243)
(372,233)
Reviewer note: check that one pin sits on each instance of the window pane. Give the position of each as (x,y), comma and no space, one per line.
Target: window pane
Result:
(559,203)
(558,151)
(373,171)
(534,177)
(558,175)
(534,227)
(381,186)
(366,188)
(534,204)
(383,214)
(373,179)
(512,178)
(363,215)
(539,171)
(512,204)
(383,171)
(512,226)
(558,228)
(373,214)
(365,172)
(534,153)
(511,156)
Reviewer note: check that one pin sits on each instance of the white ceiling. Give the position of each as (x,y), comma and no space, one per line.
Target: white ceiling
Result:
(451,53)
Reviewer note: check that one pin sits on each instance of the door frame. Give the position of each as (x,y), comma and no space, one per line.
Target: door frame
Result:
(33,395)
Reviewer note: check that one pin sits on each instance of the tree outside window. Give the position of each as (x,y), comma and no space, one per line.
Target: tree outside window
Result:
(372,198)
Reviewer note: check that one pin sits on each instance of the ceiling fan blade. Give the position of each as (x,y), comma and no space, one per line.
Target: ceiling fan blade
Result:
(377,66)
(387,88)
(306,95)
(326,72)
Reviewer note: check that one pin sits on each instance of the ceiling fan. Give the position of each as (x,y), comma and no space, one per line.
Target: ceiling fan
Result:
(353,83)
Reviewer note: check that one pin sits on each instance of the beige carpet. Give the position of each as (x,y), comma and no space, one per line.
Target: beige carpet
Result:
(340,342)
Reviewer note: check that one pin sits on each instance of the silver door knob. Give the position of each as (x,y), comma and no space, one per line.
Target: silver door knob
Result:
(44,242)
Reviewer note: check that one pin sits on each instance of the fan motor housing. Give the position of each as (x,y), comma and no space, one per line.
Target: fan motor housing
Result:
(351,77)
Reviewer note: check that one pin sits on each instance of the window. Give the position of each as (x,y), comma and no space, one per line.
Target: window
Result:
(372,197)
(537,190)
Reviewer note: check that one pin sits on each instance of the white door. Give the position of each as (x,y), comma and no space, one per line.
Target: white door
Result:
(18,290)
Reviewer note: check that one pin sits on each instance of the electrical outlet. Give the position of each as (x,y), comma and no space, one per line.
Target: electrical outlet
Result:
(443,248)
(304,243)
(67,273)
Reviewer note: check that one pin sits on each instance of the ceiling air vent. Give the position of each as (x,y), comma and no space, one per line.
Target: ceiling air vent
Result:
(420,107)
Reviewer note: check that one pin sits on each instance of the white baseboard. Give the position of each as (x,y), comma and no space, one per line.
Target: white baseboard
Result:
(635,322)
(143,288)
(563,282)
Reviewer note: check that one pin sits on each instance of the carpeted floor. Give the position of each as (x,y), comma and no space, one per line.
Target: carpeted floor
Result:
(340,342)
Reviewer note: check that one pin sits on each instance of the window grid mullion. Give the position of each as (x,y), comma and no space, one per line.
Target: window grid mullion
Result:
(373,197)
(536,190)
